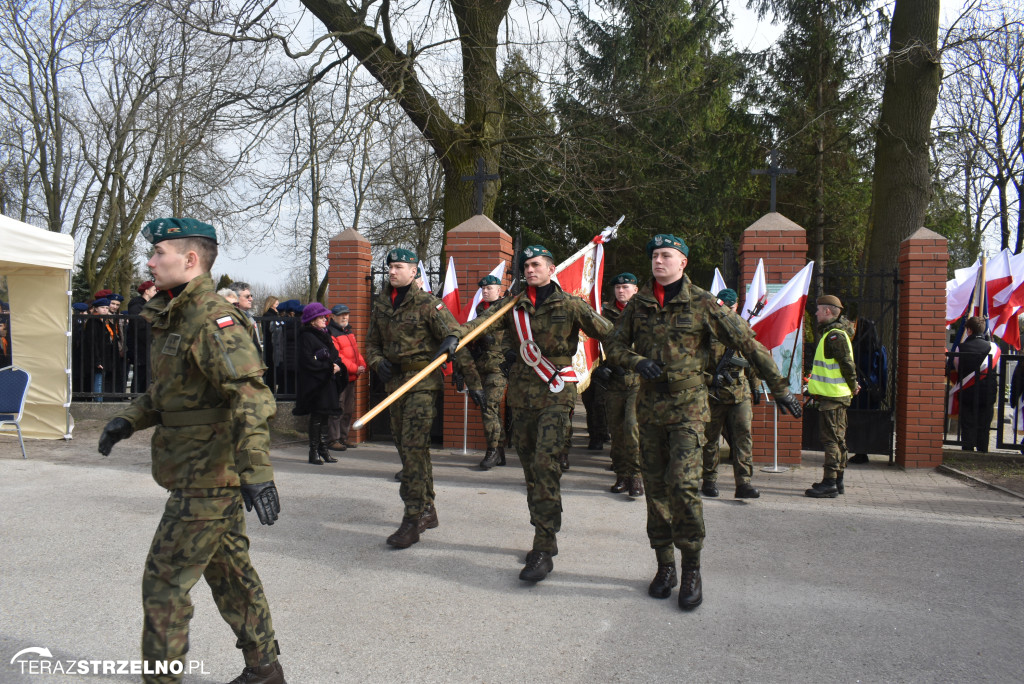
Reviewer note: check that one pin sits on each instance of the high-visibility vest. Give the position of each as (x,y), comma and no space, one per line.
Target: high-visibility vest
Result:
(826,377)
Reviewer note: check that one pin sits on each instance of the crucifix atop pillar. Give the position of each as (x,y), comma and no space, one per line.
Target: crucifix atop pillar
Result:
(480,179)
(773,171)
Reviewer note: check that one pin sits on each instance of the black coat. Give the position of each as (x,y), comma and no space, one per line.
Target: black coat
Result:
(318,384)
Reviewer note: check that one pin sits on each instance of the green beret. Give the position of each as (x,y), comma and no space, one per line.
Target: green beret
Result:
(728,296)
(624,279)
(666,240)
(161,229)
(488,280)
(401,256)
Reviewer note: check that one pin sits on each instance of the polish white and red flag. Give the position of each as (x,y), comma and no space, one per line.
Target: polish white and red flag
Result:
(758,289)
(499,273)
(425,277)
(784,312)
(450,293)
(990,362)
(959,292)
(717,283)
(1009,304)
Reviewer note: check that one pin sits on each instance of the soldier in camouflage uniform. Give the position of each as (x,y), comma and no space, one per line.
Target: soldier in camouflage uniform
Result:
(487,354)
(210,450)
(541,407)
(620,400)
(832,386)
(665,336)
(406,325)
(731,382)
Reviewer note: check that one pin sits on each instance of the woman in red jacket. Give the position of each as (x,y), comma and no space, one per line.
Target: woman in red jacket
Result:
(348,349)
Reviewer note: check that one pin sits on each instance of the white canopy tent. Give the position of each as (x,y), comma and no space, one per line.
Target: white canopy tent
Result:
(37,265)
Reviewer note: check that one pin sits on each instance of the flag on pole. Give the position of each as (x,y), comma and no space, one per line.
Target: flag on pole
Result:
(758,289)
(718,283)
(1010,304)
(785,311)
(959,292)
(499,273)
(450,293)
(426,278)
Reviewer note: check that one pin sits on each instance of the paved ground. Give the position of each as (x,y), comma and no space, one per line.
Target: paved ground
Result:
(909,577)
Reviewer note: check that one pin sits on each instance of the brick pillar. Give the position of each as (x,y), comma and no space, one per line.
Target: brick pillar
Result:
(348,282)
(783,246)
(921,361)
(477,245)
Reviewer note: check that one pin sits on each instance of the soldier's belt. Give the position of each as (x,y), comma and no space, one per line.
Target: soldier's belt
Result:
(196,417)
(414,366)
(676,385)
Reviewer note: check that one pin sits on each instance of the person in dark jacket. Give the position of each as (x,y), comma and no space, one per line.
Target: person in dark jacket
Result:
(321,376)
(137,337)
(976,400)
(100,347)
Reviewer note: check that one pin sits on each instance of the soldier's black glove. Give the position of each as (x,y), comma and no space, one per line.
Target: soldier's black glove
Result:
(506,366)
(648,369)
(447,348)
(459,380)
(603,373)
(619,370)
(789,404)
(384,370)
(262,497)
(755,396)
(477,396)
(116,430)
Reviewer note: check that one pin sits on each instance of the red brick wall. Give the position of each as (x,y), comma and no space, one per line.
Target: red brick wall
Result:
(920,384)
(348,283)
(783,246)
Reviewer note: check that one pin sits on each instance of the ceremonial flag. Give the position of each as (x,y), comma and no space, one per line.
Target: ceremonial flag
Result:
(718,283)
(959,292)
(758,289)
(450,293)
(1010,303)
(582,274)
(426,278)
(998,277)
(499,273)
(785,311)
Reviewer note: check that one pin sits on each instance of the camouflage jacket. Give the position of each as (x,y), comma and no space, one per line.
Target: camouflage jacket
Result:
(556,326)
(738,374)
(486,349)
(837,350)
(207,396)
(678,335)
(622,379)
(408,337)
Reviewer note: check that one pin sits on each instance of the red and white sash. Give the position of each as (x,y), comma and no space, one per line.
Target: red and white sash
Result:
(554,377)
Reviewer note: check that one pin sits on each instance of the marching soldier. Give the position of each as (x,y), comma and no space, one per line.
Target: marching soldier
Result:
(541,334)
(665,336)
(832,386)
(210,450)
(620,400)
(487,354)
(406,325)
(731,384)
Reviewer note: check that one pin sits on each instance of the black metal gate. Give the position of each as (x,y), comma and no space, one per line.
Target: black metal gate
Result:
(871,301)
(1011,384)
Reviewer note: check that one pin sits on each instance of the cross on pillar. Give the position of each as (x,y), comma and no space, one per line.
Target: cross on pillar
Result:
(773,171)
(480,179)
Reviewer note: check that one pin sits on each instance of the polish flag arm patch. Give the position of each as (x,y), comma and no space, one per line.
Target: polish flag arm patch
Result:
(440,305)
(225,322)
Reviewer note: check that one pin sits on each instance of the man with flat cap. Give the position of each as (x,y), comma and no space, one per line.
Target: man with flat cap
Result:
(541,335)
(731,382)
(211,451)
(664,335)
(832,386)
(487,354)
(406,325)
(620,399)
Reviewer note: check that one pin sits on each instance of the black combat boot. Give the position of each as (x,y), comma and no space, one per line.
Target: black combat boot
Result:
(690,589)
(261,674)
(538,565)
(596,444)
(501,455)
(859,458)
(826,489)
(621,485)
(839,483)
(661,585)
(563,461)
(490,458)
(709,489)
(636,486)
(407,534)
(428,519)
(747,491)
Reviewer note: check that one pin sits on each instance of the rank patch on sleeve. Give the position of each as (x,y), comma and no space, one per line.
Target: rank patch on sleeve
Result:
(225,322)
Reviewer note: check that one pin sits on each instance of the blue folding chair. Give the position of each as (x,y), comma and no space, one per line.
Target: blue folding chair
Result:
(14,383)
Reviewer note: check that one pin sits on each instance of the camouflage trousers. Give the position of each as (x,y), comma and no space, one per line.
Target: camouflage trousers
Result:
(670,456)
(734,421)
(202,534)
(620,408)
(494,392)
(540,437)
(411,419)
(832,430)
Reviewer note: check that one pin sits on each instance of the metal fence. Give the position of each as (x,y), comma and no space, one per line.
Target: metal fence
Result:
(992,402)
